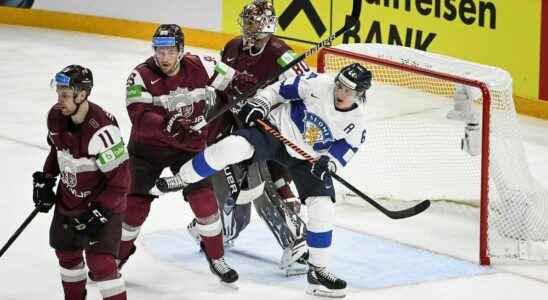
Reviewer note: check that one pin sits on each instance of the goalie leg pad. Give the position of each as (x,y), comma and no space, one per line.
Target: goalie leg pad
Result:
(321,214)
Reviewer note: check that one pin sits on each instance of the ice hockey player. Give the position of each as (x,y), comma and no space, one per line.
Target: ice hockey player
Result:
(255,55)
(166,95)
(88,154)
(323,116)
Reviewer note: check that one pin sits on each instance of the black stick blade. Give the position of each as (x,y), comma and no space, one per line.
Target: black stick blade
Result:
(409,212)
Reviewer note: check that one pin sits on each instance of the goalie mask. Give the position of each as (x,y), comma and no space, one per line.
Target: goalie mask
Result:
(357,78)
(257,21)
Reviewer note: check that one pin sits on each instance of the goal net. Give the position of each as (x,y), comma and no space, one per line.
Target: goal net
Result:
(418,110)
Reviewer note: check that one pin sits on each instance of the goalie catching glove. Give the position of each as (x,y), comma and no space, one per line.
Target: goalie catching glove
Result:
(42,191)
(323,166)
(257,108)
(178,126)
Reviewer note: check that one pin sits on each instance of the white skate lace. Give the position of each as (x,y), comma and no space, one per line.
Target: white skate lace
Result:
(221,266)
(326,274)
(175,183)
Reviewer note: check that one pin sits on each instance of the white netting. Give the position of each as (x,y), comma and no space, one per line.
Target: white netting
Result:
(413,150)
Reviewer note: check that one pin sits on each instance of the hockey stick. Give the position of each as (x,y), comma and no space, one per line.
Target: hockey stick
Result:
(350,22)
(18,231)
(398,214)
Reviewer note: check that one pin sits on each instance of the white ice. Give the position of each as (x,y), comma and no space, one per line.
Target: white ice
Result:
(431,256)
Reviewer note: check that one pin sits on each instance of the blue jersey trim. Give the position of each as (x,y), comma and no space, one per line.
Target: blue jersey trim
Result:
(319,239)
(290,91)
(201,166)
(297,114)
(339,149)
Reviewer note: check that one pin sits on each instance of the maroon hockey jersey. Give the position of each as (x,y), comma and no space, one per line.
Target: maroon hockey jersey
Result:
(258,67)
(148,96)
(91,160)
(275,55)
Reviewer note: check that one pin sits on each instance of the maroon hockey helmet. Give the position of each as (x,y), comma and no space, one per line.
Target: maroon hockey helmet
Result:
(257,21)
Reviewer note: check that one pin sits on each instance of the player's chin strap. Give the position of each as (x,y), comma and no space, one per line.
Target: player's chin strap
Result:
(393,214)
(76,91)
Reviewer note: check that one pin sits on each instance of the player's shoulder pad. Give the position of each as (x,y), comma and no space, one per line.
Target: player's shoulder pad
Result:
(108,147)
(56,121)
(106,133)
(220,73)
(148,68)
(321,78)
(236,42)
(277,45)
(104,138)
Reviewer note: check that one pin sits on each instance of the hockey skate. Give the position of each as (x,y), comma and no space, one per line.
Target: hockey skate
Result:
(295,258)
(323,283)
(221,269)
(168,184)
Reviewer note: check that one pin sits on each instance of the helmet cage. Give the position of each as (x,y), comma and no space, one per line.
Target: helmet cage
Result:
(257,21)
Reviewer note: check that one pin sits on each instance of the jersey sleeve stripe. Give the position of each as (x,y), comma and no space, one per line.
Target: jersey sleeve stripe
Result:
(290,91)
(340,151)
(77,165)
(138,93)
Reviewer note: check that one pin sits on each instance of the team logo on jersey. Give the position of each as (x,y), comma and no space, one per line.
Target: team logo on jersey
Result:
(316,132)
(68,177)
(181,99)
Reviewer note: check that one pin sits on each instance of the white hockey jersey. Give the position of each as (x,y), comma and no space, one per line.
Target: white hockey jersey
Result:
(308,117)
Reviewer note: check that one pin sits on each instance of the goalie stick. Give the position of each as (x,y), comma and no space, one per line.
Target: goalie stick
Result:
(18,231)
(393,214)
(350,22)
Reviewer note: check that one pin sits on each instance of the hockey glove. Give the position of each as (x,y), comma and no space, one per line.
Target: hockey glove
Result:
(323,166)
(256,108)
(243,82)
(42,191)
(178,126)
(91,221)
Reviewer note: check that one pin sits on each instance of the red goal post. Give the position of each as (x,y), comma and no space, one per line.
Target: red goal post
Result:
(421,89)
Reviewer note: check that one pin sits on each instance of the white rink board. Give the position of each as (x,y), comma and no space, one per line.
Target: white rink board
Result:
(204,14)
